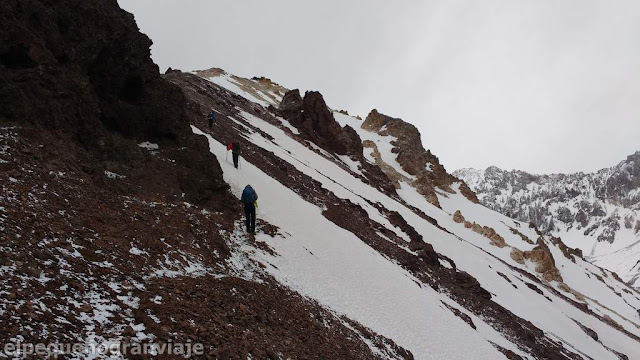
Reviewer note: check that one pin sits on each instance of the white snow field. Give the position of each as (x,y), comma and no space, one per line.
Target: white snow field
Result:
(331,265)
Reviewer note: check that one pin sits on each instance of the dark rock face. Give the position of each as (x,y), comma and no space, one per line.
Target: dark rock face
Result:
(621,182)
(82,70)
(610,225)
(564,214)
(291,103)
(311,116)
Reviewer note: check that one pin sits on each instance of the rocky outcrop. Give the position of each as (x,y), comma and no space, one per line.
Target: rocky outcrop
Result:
(496,239)
(84,74)
(457,217)
(311,116)
(612,322)
(566,288)
(291,104)
(545,263)
(569,253)
(389,171)
(517,255)
(398,221)
(486,231)
(426,169)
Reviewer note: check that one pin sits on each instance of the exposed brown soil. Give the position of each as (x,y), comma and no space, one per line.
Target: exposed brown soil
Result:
(235,318)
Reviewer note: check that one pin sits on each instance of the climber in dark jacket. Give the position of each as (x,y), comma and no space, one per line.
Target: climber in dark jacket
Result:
(235,152)
(249,198)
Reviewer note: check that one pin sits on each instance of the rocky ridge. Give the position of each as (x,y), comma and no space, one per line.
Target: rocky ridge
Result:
(262,88)
(313,119)
(427,174)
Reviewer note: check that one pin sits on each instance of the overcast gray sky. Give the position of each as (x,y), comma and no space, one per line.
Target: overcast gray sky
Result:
(539,85)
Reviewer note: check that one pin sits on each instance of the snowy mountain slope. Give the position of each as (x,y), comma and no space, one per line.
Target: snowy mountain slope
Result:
(598,213)
(262,91)
(367,264)
(329,264)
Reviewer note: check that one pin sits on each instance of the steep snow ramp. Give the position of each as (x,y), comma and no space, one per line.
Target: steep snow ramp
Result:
(331,265)
(260,90)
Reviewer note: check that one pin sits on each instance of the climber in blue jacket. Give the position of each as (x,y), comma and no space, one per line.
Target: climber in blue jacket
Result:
(212,118)
(249,199)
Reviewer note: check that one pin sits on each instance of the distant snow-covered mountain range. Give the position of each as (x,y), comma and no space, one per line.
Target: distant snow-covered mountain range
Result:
(597,212)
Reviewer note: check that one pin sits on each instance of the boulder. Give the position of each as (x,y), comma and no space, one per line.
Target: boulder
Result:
(545,263)
(291,102)
(497,240)
(457,217)
(517,255)
(488,231)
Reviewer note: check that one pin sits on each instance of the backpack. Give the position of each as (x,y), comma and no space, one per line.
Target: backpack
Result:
(248,195)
